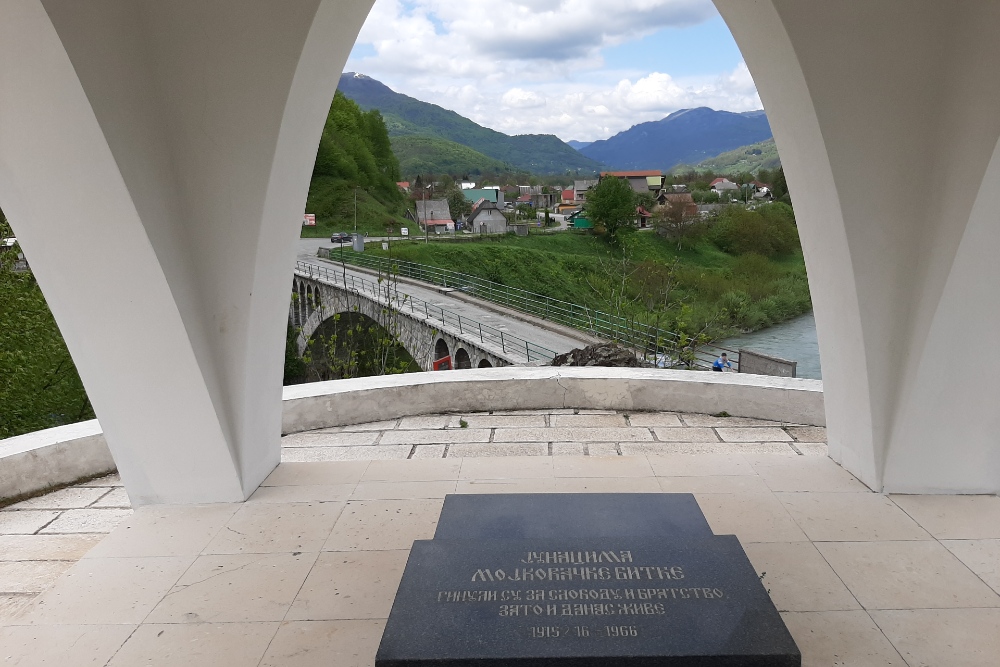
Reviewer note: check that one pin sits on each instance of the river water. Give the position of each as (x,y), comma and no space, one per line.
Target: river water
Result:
(794,340)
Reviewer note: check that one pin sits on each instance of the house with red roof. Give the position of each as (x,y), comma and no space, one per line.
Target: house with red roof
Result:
(642,217)
(723,185)
(434,215)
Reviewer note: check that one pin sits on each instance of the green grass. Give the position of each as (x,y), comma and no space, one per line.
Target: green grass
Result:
(332,201)
(726,292)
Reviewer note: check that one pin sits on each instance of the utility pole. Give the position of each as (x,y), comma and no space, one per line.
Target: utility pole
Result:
(355,210)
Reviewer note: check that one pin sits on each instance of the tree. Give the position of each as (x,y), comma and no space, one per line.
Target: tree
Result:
(611,204)
(779,188)
(674,222)
(458,203)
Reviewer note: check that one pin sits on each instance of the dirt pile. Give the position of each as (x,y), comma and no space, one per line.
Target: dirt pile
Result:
(602,354)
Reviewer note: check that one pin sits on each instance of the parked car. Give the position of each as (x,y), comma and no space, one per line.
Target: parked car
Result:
(340,237)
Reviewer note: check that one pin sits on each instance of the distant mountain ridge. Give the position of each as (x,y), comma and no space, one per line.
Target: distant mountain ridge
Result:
(688,136)
(406,116)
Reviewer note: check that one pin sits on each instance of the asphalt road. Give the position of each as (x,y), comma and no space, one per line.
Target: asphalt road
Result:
(552,340)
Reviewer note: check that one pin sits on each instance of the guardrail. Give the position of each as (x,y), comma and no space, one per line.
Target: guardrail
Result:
(653,341)
(513,346)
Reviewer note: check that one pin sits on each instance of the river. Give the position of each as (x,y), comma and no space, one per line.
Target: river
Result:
(794,340)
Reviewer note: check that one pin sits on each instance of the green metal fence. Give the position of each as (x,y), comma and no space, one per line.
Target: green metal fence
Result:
(654,342)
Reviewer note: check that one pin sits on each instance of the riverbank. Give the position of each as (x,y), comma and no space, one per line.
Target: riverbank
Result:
(794,340)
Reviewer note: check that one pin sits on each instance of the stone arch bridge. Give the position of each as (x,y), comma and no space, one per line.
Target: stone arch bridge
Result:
(427,331)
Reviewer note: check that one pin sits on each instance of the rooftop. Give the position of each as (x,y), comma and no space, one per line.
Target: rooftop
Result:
(641,173)
(304,573)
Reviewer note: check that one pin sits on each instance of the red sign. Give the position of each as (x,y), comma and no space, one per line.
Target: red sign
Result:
(443,364)
(309,220)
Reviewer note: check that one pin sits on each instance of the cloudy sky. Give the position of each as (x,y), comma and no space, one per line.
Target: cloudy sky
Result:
(579,69)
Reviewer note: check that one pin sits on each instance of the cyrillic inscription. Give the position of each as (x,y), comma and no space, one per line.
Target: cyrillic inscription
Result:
(562,601)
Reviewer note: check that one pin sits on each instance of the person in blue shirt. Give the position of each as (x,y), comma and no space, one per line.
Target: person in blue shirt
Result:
(721,362)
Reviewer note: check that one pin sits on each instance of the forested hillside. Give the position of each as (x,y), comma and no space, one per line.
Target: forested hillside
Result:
(354,152)
(745,159)
(433,155)
(404,115)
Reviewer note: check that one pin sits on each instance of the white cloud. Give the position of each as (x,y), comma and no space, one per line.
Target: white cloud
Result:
(536,66)
(519,98)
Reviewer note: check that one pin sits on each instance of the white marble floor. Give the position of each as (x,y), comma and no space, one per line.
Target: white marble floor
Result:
(305,571)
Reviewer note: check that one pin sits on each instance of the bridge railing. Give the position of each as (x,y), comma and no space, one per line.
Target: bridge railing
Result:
(385,291)
(656,343)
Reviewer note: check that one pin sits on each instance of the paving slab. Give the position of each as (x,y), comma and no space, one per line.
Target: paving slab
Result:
(87,521)
(575,434)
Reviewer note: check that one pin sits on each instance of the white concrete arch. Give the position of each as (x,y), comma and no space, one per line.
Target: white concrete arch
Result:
(154,161)
(155,156)
(870,102)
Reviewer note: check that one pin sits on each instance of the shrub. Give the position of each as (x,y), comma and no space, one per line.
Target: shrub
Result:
(769,231)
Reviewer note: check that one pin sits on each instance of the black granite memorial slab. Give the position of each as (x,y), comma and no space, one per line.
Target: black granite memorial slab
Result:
(549,515)
(626,602)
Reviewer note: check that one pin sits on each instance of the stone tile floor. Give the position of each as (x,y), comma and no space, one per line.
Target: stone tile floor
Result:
(551,432)
(305,571)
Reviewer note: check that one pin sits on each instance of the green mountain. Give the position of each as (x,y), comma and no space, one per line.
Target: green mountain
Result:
(355,170)
(406,116)
(419,154)
(745,159)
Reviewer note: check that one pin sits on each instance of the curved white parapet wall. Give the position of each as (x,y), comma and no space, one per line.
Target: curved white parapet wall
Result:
(324,404)
(37,461)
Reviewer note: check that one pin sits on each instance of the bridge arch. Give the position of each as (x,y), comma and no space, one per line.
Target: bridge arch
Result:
(462,358)
(484,363)
(425,341)
(353,344)
(441,349)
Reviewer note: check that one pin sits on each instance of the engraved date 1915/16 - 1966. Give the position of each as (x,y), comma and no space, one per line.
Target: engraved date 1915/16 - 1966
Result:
(582,631)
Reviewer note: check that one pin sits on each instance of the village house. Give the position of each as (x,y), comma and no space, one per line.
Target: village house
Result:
(761,190)
(642,181)
(670,200)
(434,216)
(724,187)
(642,217)
(580,189)
(487,218)
(543,200)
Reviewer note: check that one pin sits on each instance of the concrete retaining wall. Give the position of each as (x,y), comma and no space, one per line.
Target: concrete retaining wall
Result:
(37,461)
